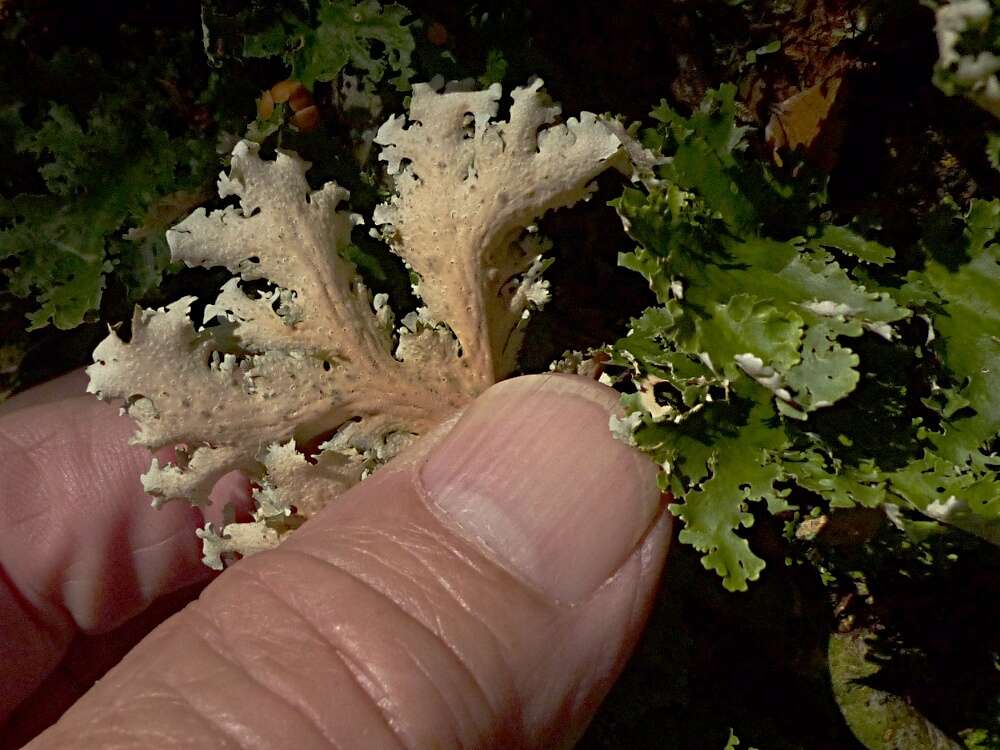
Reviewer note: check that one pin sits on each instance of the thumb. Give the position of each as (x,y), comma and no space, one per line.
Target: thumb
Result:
(482,591)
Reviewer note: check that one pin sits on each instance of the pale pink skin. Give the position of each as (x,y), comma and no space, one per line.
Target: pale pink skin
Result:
(381,623)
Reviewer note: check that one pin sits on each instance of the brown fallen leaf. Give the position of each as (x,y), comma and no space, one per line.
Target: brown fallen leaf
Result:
(809,120)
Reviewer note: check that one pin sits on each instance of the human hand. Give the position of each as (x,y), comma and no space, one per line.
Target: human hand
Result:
(483,590)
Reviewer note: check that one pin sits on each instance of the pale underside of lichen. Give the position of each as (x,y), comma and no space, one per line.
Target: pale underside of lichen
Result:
(976,72)
(306,354)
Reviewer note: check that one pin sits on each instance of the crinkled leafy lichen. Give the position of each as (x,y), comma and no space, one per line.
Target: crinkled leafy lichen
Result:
(296,349)
(792,360)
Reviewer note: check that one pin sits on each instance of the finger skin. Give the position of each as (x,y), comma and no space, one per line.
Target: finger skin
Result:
(70,385)
(375,625)
(81,550)
(86,660)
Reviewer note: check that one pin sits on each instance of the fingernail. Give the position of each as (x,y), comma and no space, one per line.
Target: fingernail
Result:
(532,474)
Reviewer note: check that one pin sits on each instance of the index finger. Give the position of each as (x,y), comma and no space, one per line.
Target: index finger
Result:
(81,548)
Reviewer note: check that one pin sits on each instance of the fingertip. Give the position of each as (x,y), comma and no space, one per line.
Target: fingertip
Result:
(80,543)
(532,473)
